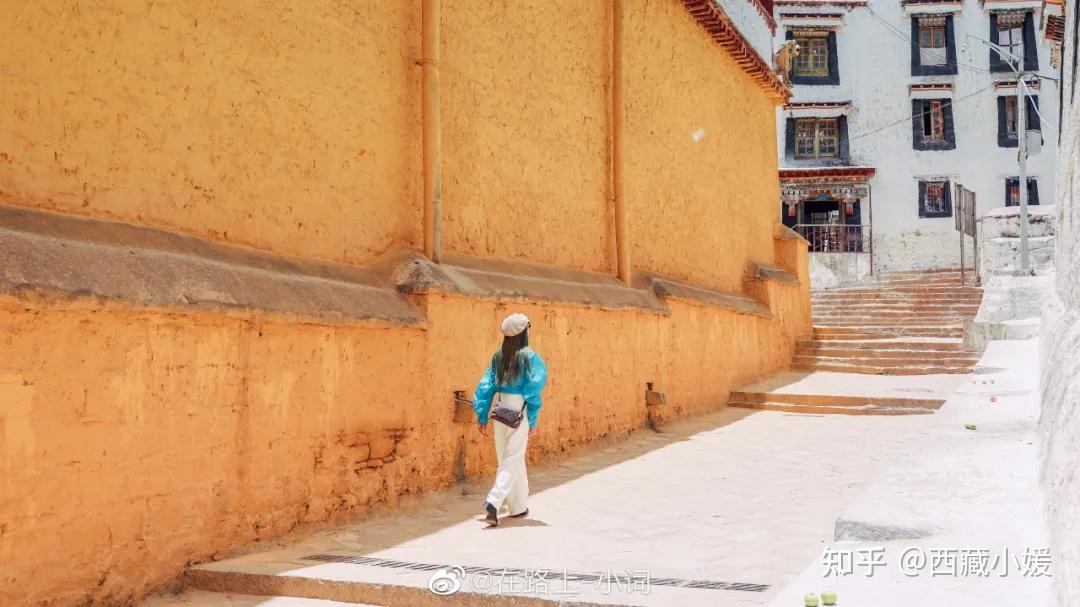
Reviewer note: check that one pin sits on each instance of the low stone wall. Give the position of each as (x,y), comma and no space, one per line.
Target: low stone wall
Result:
(831,270)
(999,241)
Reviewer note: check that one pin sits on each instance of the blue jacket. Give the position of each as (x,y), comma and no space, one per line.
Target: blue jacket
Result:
(529,383)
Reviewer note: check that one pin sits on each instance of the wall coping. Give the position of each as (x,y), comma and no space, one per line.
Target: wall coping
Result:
(55,258)
(526,281)
(712,18)
(62,257)
(486,278)
(669,288)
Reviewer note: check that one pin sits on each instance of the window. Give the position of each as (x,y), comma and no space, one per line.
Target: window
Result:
(813,57)
(1012,191)
(933,51)
(1014,32)
(1008,119)
(816,138)
(932,41)
(935,199)
(933,119)
(932,124)
(1010,37)
(816,61)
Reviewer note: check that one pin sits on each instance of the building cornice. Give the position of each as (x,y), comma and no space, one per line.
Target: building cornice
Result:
(849,4)
(861,173)
(722,29)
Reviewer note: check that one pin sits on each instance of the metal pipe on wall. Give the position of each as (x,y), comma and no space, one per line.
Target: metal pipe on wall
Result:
(622,242)
(432,130)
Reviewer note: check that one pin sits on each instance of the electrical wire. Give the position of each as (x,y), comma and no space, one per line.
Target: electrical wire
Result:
(1035,106)
(908,39)
(911,117)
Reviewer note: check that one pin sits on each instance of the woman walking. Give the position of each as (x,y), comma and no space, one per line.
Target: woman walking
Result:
(513,380)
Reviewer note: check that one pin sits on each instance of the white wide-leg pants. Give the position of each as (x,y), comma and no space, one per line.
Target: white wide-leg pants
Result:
(511,482)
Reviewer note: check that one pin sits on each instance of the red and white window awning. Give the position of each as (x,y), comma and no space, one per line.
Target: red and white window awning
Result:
(817,109)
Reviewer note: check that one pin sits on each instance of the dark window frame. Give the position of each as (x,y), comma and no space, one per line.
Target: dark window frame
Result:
(1033,124)
(843,156)
(1031,49)
(946,187)
(950,65)
(1014,182)
(833,78)
(921,107)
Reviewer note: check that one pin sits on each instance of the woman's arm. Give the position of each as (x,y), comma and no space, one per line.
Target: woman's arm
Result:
(535,381)
(485,391)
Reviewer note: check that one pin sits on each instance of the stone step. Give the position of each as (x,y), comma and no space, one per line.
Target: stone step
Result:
(868,316)
(898,302)
(857,333)
(886,361)
(931,272)
(886,324)
(881,370)
(832,404)
(897,298)
(873,289)
(831,351)
(882,344)
(833,399)
(826,409)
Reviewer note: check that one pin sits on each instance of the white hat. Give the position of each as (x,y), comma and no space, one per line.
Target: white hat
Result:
(514,324)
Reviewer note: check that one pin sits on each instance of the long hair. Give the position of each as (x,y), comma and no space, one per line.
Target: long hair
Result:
(510,359)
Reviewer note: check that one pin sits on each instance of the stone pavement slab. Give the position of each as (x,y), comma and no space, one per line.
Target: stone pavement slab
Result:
(859,384)
(721,510)
(970,492)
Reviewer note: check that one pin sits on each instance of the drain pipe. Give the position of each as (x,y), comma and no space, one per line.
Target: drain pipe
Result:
(432,131)
(622,241)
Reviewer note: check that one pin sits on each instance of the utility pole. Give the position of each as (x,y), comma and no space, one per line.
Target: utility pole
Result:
(1021,132)
(1016,62)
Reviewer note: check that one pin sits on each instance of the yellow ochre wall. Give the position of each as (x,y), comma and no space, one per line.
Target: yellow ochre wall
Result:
(292,127)
(700,205)
(136,441)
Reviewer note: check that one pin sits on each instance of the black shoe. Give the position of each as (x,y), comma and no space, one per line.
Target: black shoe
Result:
(520,514)
(492,515)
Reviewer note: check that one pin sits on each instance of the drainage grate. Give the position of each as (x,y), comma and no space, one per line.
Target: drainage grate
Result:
(594,578)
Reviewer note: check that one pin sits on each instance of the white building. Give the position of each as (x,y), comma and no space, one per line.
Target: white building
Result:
(894,104)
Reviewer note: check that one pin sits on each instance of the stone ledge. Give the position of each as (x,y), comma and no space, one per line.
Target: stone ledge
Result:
(765,271)
(669,288)
(520,280)
(60,257)
(782,232)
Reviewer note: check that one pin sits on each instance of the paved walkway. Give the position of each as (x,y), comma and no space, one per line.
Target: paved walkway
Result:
(970,505)
(742,503)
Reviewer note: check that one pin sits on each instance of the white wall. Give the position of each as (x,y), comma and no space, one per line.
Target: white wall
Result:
(875,74)
(831,270)
(752,25)
(1059,425)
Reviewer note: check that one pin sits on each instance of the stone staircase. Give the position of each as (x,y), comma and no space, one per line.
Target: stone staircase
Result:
(905,323)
